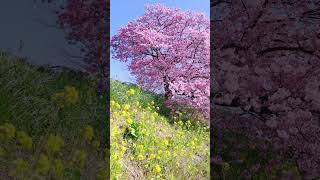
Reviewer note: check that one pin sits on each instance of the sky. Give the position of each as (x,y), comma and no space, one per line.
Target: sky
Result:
(124,11)
(34,24)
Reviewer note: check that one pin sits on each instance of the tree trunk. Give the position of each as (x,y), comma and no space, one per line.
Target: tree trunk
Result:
(167,91)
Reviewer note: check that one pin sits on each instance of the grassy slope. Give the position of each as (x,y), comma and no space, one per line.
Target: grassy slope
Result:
(242,157)
(147,142)
(26,102)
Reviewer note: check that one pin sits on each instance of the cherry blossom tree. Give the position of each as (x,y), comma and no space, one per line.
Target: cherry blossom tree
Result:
(266,65)
(86,23)
(168,49)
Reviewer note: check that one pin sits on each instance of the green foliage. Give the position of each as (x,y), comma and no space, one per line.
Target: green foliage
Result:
(32,98)
(103,174)
(96,145)
(72,174)
(120,92)
(132,131)
(46,116)
(249,155)
(2,152)
(59,99)
(53,158)
(7,131)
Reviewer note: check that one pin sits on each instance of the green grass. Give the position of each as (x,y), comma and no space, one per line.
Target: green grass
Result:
(147,141)
(43,103)
(242,156)
(118,92)
(47,106)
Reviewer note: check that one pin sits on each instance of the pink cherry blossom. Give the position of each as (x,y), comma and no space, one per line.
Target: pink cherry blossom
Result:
(168,49)
(267,65)
(86,23)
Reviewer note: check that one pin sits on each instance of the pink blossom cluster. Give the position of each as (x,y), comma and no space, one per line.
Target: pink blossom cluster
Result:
(86,23)
(266,63)
(168,49)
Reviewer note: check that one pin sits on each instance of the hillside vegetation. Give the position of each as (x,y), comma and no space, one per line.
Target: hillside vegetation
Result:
(148,142)
(51,123)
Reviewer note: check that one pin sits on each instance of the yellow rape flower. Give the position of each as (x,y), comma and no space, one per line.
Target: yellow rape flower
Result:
(123,148)
(129,121)
(225,166)
(88,133)
(168,153)
(152,156)
(140,157)
(79,157)
(157,169)
(130,92)
(140,147)
(72,95)
(43,165)
(24,139)
(114,156)
(21,167)
(138,103)
(54,144)
(165,142)
(57,169)
(126,107)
